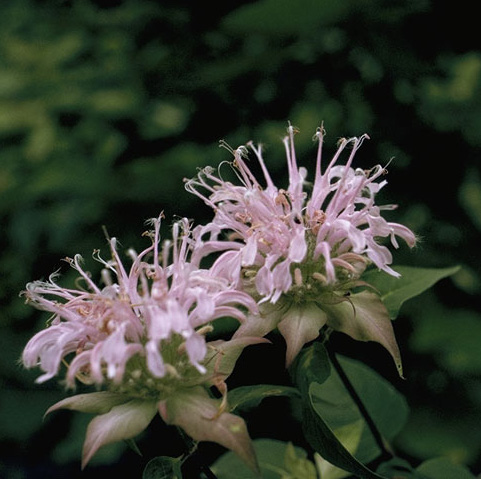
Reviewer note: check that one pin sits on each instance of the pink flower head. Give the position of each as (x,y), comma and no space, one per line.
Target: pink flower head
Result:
(143,323)
(289,246)
(142,336)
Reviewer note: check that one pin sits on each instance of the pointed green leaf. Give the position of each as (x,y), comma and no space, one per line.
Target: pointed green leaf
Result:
(413,281)
(245,397)
(133,446)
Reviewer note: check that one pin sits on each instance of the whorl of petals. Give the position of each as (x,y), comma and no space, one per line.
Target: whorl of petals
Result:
(98,330)
(337,226)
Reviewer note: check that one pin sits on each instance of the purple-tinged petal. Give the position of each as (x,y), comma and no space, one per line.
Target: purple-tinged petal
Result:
(196,350)
(155,362)
(202,418)
(124,421)
(282,278)
(299,325)
(364,317)
(93,403)
(258,325)
(249,251)
(298,246)
(222,356)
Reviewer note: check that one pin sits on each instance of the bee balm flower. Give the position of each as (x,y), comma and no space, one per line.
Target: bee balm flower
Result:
(301,254)
(142,338)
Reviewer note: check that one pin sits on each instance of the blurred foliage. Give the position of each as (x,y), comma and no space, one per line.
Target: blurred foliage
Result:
(106,106)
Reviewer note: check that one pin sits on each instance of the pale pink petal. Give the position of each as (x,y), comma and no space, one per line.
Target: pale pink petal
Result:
(282,279)
(93,403)
(364,317)
(222,356)
(196,350)
(298,246)
(155,363)
(124,421)
(202,419)
(249,252)
(264,281)
(299,325)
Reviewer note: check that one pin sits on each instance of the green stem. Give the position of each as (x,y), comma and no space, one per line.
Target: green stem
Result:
(360,405)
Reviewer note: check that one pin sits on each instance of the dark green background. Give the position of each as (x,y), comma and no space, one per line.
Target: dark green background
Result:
(104,111)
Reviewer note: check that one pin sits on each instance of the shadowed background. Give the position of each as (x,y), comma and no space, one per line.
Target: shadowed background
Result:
(104,111)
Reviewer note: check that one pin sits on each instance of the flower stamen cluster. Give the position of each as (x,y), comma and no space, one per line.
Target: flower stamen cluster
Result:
(296,247)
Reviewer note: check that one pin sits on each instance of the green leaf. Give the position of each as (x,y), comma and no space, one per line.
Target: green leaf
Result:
(321,437)
(282,17)
(443,435)
(350,437)
(386,406)
(163,467)
(330,416)
(250,396)
(298,466)
(124,421)
(413,281)
(311,365)
(443,468)
(276,460)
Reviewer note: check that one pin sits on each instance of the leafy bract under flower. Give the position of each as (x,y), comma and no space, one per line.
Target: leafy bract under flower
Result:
(120,416)
(297,250)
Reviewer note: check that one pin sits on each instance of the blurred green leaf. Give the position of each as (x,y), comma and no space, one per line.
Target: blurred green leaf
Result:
(398,468)
(451,101)
(284,17)
(452,336)
(413,281)
(276,461)
(442,468)
(431,433)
